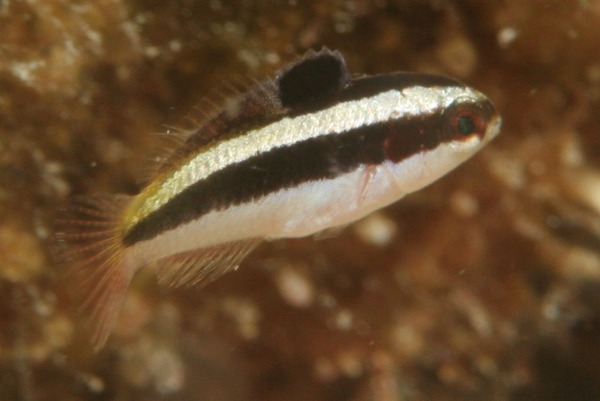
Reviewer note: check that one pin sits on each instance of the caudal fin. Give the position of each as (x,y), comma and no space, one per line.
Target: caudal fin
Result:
(90,244)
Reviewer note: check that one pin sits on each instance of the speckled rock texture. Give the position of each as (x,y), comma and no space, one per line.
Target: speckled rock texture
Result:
(484,286)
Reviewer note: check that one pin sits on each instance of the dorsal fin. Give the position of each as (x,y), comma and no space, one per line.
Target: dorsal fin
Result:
(314,78)
(258,102)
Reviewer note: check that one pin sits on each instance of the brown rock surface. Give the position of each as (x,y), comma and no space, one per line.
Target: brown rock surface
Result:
(485,286)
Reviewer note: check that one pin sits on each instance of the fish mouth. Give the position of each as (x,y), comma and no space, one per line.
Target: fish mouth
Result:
(494,127)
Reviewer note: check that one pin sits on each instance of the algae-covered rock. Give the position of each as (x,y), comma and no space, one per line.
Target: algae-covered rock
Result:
(483,286)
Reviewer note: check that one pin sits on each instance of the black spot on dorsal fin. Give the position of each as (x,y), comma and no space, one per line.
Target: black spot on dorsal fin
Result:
(314,78)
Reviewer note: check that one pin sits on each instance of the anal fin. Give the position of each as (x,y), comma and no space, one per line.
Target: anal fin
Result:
(200,267)
(330,232)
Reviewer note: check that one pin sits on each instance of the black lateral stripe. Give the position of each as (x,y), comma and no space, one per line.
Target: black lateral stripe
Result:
(325,157)
(260,107)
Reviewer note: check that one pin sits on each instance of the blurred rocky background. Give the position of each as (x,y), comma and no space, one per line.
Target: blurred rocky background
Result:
(484,286)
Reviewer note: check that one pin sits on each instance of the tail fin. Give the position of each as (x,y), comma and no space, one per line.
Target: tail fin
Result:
(90,243)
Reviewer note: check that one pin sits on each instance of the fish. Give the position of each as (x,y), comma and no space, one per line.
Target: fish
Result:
(303,152)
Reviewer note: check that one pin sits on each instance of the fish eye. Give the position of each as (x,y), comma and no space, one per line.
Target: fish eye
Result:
(466,125)
(465,120)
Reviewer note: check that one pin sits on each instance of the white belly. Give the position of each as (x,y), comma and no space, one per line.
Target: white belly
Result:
(305,209)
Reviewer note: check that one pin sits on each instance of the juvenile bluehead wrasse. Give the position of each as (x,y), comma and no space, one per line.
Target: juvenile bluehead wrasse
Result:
(311,149)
